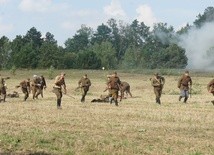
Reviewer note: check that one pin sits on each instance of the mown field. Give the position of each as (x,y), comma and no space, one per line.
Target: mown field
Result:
(137,126)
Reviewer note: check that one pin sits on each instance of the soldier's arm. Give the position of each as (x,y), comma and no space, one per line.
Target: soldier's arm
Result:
(89,82)
(190,82)
(209,85)
(163,80)
(179,82)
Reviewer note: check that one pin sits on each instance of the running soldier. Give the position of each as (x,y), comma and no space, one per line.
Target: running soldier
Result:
(84,83)
(57,88)
(158,83)
(210,88)
(25,86)
(3,88)
(184,84)
(114,86)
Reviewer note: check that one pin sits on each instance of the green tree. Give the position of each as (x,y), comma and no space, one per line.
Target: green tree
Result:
(88,60)
(207,16)
(106,53)
(5,50)
(80,41)
(103,34)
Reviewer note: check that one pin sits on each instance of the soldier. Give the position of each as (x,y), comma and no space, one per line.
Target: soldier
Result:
(125,87)
(35,86)
(25,86)
(183,84)
(114,86)
(210,88)
(42,86)
(158,83)
(84,83)
(57,88)
(3,88)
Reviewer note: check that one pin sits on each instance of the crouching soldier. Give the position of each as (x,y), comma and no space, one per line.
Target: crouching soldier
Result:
(210,88)
(25,87)
(158,83)
(84,84)
(125,87)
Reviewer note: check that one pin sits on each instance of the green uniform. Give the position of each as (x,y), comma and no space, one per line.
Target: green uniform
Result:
(210,88)
(59,83)
(158,82)
(2,89)
(84,83)
(114,86)
(184,84)
(125,87)
(25,85)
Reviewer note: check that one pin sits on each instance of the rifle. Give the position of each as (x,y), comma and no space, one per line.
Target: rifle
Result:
(77,88)
(70,96)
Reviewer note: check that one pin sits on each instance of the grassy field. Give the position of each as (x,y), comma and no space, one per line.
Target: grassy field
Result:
(137,126)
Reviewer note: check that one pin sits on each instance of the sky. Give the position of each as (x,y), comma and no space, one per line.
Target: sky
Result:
(63,18)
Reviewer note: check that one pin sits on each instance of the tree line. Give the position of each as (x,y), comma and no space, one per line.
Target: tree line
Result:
(114,45)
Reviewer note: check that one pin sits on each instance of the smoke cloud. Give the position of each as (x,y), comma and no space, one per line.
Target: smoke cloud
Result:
(199,46)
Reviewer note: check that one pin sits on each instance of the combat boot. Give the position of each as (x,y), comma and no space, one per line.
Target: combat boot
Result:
(185,99)
(158,101)
(180,97)
(212,102)
(116,103)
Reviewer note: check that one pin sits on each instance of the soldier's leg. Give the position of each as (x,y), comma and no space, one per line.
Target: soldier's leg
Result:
(58,93)
(4,93)
(128,91)
(33,91)
(115,97)
(182,94)
(38,92)
(186,96)
(156,95)
(83,95)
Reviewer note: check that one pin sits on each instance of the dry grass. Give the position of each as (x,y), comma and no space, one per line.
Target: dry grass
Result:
(137,126)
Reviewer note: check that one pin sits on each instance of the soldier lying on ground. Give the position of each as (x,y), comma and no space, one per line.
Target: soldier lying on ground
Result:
(14,94)
(102,99)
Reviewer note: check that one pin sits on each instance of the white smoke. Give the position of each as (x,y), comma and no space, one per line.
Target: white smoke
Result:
(199,46)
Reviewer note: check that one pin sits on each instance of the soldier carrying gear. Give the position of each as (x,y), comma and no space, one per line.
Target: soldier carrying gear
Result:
(114,86)
(125,87)
(210,88)
(158,82)
(25,86)
(3,88)
(84,83)
(57,88)
(183,84)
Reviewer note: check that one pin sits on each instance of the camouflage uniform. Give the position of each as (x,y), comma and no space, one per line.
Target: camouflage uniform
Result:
(84,84)
(25,86)
(57,88)
(114,84)
(158,83)
(183,84)
(210,88)
(125,87)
